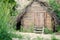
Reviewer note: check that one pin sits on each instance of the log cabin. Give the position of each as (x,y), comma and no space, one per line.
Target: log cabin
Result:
(38,14)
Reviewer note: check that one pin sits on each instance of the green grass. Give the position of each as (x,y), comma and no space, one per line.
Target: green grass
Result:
(47,31)
(6,10)
(54,38)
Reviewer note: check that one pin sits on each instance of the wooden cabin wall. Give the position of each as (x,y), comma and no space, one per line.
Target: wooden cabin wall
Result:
(48,21)
(37,16)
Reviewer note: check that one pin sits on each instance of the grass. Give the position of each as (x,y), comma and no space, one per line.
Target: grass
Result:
(6,9)
(47,31)
(38,38)
(54,38)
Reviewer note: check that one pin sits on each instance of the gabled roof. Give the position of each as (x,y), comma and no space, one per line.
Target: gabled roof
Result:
(25,9)
(44,5)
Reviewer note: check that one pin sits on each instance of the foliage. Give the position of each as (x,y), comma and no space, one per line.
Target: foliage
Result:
(5,35)
(47,31)
(56,7)
(6,10)
(58,28)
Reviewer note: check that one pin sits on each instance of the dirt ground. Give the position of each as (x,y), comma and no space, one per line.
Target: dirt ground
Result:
(34,36)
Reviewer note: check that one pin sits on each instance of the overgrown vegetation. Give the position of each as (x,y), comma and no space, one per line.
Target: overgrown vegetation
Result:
(6,11)
(58,28)
(47,31)
(56,7)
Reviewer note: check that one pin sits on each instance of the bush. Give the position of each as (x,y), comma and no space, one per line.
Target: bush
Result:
(56,7)
(47,31)
(5,36)
(6,8)
(58,28)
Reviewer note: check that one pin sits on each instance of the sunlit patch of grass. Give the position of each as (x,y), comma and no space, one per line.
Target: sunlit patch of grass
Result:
(54,38)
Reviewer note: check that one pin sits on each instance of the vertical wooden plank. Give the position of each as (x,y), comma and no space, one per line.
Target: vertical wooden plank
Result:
(42,19)
(48,21)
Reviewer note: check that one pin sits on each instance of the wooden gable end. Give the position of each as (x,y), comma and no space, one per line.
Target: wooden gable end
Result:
(37,16)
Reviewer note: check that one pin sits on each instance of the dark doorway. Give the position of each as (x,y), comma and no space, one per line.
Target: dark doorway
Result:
(18,26)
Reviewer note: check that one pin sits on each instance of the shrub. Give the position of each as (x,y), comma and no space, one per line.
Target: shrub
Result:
(58,28)
(56,7)
(6,7)
(47,31)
